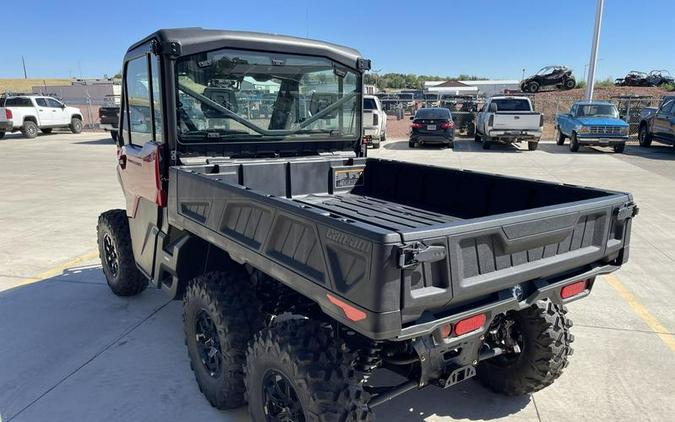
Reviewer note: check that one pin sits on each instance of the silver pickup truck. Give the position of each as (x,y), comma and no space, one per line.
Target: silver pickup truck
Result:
(508,120)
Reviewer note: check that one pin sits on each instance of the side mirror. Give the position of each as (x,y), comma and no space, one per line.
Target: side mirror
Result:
(412,117)
(493,108)
(63,106)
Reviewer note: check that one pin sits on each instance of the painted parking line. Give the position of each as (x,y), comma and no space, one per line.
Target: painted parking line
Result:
(57,270)
(649,319)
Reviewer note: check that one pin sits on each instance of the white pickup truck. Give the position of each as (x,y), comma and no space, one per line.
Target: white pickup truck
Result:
(374,121)
(508,120)
(32,113)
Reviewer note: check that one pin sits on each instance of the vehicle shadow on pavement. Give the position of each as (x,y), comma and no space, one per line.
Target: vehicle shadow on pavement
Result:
(654,152)
(467,400)
(101,141)
(553,148)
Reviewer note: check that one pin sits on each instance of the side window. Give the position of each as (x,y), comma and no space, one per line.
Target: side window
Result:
(138,117)
(53,103)
(573,111)
(42,102)
(666,108)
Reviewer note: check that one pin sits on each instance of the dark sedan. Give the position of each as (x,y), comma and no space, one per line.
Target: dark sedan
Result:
(432,126)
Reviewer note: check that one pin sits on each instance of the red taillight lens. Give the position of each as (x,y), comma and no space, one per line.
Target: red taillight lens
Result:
(8,114)
(541,121)
(447,125)
(573,289)
(470,324)
(416,125)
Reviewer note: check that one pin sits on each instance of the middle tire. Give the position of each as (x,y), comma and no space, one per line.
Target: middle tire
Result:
(221,313)
(296,370)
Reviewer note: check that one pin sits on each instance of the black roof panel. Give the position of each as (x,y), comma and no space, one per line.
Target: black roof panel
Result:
(195,40)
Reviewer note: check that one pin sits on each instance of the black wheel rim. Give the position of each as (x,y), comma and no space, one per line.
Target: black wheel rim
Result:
(281,400)
(208,343)
(110,255)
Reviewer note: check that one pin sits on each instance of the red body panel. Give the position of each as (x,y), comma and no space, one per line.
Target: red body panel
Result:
(139,173)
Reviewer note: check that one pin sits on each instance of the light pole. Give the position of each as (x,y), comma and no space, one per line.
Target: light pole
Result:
(594,49)
(523,78)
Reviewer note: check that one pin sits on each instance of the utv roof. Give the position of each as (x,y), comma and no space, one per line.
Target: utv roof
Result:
(186,41)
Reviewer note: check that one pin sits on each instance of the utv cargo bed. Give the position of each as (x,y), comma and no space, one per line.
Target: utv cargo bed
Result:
(399,242)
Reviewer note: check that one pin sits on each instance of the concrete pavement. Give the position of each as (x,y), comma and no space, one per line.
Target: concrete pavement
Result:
(70,350)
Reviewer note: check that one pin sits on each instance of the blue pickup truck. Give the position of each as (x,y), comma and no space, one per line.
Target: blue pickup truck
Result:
(592,123)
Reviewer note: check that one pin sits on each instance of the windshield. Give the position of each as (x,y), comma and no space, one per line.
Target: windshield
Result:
(597,110)
(513,104)
(235,94)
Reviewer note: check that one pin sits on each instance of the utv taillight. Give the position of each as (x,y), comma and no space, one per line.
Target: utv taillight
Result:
(491,120)
(573,289)
(470,324)
(447,125)
(8,114)
(541,120)
(416,125)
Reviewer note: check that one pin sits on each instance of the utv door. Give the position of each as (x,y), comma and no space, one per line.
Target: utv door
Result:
(140,156)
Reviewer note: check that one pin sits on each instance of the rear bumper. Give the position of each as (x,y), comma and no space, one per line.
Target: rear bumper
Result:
(508,136)
(375,132)
(432,140)
(601,141)
(371,140)
(6,126)
(108,126)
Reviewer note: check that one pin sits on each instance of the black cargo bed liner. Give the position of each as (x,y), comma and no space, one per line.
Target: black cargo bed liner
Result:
(375,211)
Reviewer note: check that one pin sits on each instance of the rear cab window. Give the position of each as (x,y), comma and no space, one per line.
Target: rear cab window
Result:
(512,104)
(369,104)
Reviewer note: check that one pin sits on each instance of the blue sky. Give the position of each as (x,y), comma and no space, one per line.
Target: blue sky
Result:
(489,38)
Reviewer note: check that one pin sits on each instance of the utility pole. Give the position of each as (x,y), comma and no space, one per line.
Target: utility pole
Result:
(23,62)
(523,78)
(594,49)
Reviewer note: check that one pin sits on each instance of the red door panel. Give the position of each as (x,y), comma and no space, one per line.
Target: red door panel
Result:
(139,171)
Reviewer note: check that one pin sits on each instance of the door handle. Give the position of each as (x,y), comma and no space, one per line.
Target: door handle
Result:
(39,109)
(122,160)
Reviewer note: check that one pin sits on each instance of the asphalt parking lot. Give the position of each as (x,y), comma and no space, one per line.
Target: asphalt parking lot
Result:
(72,351)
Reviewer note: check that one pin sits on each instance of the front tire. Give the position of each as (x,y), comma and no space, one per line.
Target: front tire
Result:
(117,257)
(486,143)
(29,129)
(570,83)
(574,143)
(297,368)
(560,138)
(619,149)
(76,125)
(532,145)
(220,315)
(533,87)
(544,338)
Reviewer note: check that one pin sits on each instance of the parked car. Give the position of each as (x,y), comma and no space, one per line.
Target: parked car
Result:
(432,126)
(6,121)
(305,267)
(32,113)
(557,77)
(509,120)
(374,121)
(109,115)
(658,124)
(592,123)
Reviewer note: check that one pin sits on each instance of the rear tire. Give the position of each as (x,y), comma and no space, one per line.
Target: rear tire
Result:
(570,83)
(113,135)
(546,338)
(532,145)
(645,137)
(533,87)
(46,130)
(76,125)
(574,143)
(411,144)
(221,314)
(29,129)
(304,357)
(486,144)
(477,137)
(376,145)
(117,257)
(619,149)
(2,135)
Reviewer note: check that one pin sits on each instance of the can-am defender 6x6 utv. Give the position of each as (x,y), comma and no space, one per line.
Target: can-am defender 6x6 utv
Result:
(304,267)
